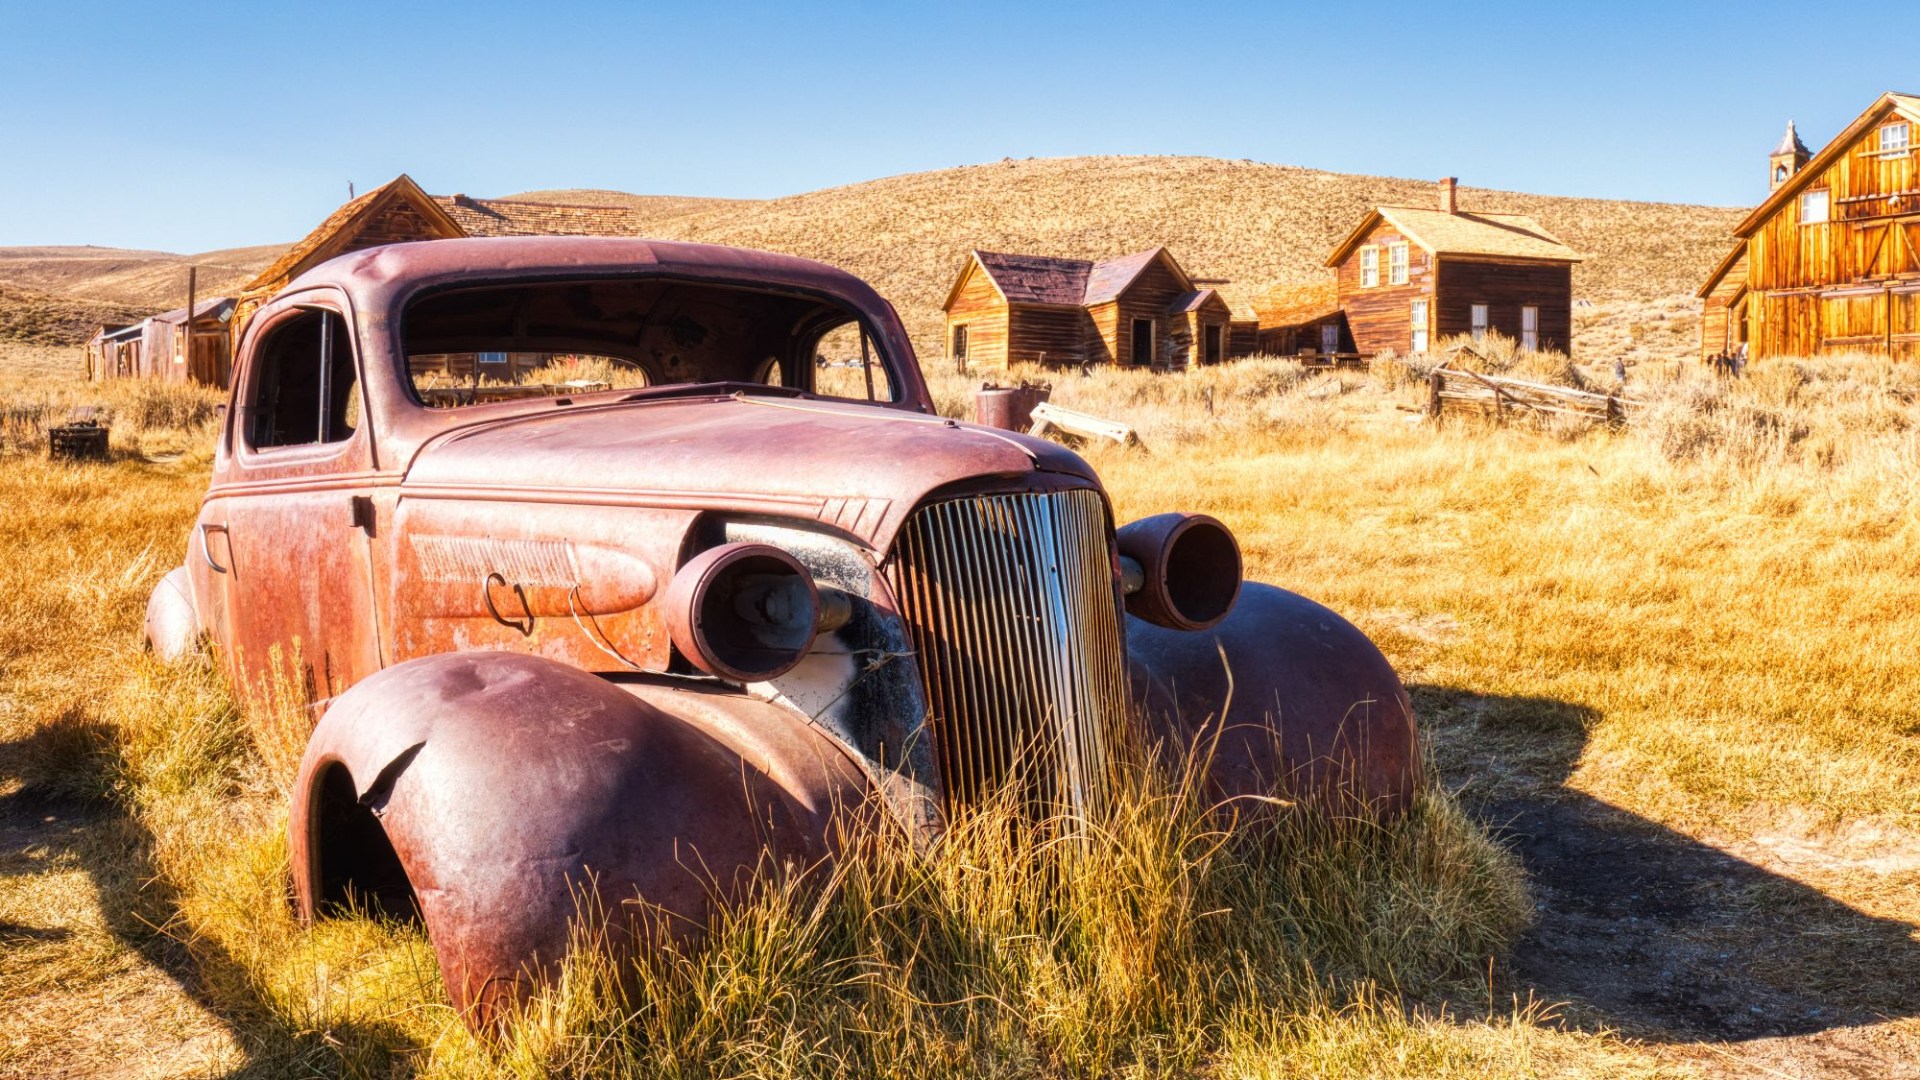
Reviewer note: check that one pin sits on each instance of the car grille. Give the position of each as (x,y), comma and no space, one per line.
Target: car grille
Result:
(1011,605)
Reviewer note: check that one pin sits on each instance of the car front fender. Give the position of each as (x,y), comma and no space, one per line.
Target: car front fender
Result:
(1283,697)
(496,794)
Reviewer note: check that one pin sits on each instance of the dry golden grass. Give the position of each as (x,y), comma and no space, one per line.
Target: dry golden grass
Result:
(1711,621)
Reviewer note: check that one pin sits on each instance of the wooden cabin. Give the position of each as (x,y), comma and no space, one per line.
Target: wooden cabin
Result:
(1408,277)
(1140,309)
(1304,320)
(156,347)
(1830,262)
(394,212)
(114,352)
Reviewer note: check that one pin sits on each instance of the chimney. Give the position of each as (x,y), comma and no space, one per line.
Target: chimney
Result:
(1449,187)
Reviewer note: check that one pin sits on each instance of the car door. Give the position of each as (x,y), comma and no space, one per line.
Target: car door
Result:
(298,512)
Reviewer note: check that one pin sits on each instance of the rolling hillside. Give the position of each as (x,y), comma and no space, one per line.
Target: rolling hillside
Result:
(1255,224)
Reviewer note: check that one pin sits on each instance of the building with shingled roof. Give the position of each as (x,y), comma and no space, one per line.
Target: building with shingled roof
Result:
(1829,262)
(1139,309)
(1408,277)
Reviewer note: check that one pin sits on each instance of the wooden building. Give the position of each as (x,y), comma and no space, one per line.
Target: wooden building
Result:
(1140,309)
(394,212)
(1408,277)
(1830,262)
(1304,319)
(157,347)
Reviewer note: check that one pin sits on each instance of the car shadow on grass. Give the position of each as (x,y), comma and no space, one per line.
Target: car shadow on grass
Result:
(65,816)
(1641,928)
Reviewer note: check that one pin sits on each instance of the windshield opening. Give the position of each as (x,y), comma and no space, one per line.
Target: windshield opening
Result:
(504,342)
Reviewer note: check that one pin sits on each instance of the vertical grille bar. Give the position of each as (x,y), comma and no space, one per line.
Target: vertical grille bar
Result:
(1010,603)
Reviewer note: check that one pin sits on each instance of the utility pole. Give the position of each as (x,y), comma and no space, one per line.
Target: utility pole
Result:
(193,276)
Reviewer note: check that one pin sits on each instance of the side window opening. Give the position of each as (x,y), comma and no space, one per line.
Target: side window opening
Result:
(306,389)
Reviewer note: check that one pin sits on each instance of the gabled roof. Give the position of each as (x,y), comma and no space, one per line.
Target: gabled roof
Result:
(1042,279)
(1111,277)
(521,217)
(1735,258)
(1506,236)
(326,241)
(1296,305)
(1035,279)
(1195,300)
(219,307)
(1886,105)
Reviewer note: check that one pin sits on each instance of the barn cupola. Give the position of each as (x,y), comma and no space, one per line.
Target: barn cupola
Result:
(1787,158)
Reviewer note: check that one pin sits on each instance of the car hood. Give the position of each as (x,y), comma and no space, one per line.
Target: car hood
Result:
(858,468)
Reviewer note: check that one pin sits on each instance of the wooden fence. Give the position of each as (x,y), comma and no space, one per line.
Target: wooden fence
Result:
(1451,388)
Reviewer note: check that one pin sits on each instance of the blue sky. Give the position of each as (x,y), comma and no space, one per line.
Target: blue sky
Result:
(214,124)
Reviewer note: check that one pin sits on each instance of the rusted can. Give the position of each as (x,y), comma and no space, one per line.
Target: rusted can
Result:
(1009,407)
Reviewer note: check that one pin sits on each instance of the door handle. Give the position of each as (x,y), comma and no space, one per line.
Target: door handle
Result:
(360,513)
(206,550)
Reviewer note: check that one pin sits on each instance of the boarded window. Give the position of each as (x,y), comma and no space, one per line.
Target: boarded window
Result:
(1479,322)
(1813,207)
(1530,328)
(1397,263)
(960,343)
(1369,266)
(1418,317)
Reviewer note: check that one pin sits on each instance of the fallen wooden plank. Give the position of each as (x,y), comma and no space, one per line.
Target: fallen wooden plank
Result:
(1048,417)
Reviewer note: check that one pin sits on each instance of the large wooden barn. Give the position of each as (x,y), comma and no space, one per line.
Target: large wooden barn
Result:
(1407,277)
(1830,262)
(1139,309)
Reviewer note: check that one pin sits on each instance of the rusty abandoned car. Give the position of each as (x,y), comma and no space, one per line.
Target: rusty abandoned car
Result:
(635,638)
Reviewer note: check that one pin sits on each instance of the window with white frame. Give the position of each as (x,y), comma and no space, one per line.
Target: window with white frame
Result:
(1369,266)
(1418,317)
(1479,322)
(1397,263)
(1813,207)
(1895,138)
(1530,328)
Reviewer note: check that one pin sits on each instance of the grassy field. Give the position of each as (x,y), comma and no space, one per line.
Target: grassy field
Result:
(1673,670)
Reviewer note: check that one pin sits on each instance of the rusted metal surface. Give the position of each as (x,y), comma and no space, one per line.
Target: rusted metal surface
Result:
(512,790)
(84,440)
(1283,695)
(1190,569)
(513,616)
(1009,408)
(1010,599)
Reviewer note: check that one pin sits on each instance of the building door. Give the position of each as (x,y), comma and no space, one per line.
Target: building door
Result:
(960,345)
(1210,344)
(1418,318)
(1330,338)
(1142,341)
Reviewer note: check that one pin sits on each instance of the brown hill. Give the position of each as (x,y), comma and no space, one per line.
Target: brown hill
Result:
(153,280)
(1257,225)
(34,318)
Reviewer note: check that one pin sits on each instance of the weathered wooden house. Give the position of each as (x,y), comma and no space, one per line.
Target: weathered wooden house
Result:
(391,213)
(157,347)
(1139,309)
(113,352)
(1830,262)
(1407,277)
(1304,318)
